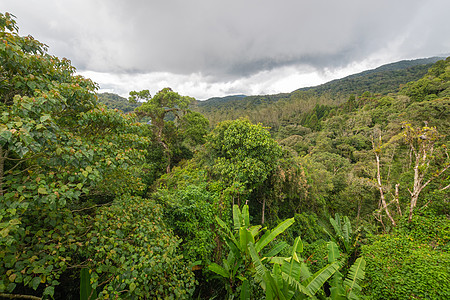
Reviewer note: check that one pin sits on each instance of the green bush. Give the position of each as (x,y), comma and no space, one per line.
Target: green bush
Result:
(411,263)
(134,254)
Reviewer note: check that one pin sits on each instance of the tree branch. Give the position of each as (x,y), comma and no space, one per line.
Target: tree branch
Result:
(17,296)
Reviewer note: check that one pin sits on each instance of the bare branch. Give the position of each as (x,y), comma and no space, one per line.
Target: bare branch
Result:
(17,296)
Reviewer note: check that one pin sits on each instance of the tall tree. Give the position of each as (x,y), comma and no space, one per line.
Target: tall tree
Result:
(158,108)
(423,144)
(245,155)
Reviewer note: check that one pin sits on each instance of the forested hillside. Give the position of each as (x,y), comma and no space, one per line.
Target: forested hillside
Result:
(274,110)
(114,101)
(345,196)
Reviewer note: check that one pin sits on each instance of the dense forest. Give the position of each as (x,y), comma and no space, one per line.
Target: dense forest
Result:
(339,191)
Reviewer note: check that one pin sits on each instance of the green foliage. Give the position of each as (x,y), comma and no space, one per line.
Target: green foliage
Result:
(61,156)
(307,227)
(132,253)
(342,233)
(113,101)
(412,262)
(166,102)
(189,210)
(244,154)
(290,277)
(241,241)
(194,128)
(434,85)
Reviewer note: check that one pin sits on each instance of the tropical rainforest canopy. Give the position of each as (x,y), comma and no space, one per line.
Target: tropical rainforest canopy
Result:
(334,192)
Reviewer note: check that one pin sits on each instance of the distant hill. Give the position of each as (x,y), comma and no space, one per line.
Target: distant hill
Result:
(284,108)
(222,99)
(114,101)
(384,79)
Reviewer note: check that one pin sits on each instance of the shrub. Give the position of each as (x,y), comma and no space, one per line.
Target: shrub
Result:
(411,263)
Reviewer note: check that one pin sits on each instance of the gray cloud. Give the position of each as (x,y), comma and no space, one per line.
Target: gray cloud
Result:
(226,41)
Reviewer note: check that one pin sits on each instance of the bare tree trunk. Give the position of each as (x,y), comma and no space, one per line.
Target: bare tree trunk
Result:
(380,187)
(419,186)
(396,197)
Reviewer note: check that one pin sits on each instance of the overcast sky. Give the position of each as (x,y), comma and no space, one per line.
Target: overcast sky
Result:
(206,48)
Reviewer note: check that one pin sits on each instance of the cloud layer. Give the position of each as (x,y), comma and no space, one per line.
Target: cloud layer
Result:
(210,48)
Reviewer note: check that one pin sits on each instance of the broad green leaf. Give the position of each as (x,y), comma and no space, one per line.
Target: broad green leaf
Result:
(5,136)
(237,217)
(246,215)
(245,290)
(333,252)
(44,118)
(298,245)
(42,191)
(49,291)
(316,281)
(277,249)
(254,230)
(228,231)
(266,239)
(272,289)
(35,282)
(218,270)
(355,274)
(132,287)
(297,285)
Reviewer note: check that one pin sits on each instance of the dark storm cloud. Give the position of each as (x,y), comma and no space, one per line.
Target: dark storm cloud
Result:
(224,41)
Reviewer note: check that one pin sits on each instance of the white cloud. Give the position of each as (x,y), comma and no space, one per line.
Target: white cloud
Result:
(208,48)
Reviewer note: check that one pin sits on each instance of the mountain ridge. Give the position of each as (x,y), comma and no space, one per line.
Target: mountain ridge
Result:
(390,67)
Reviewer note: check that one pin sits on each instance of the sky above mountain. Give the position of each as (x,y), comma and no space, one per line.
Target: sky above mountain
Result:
(206,48)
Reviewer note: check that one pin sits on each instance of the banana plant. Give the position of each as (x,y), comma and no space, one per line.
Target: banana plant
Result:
(343,234)
(290,277)
(349,287)
(237,268)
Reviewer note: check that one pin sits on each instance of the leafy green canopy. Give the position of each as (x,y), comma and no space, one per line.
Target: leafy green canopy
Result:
(245,154)
(61,156)
(412,262)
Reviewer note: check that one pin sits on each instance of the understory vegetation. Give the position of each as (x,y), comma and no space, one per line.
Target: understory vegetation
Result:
(333,193)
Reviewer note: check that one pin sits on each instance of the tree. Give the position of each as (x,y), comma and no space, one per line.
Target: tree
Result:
(158,108)
(422,143)
(61,157)
(377,149)
(244,155)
